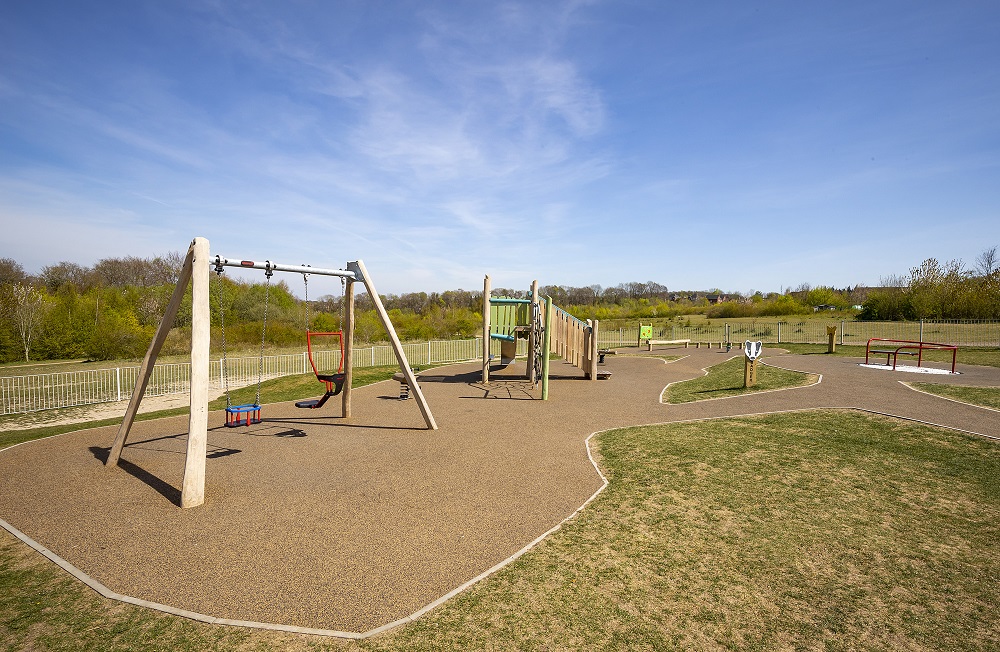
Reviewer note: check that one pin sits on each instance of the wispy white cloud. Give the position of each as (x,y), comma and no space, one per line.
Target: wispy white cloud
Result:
(428,137)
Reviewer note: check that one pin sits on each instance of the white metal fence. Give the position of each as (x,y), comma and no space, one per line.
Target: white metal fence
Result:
(20,394)
(792,330)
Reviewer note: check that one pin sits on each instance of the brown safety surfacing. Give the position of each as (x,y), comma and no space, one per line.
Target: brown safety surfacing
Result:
(317,522)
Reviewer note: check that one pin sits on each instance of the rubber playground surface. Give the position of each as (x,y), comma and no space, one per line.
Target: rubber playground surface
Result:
(312,521)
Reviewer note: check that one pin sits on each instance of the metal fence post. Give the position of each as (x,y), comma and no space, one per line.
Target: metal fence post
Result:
(842,332)
(118,382)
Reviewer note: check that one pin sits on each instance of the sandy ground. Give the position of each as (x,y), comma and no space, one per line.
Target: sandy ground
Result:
(96,412)
(87,413)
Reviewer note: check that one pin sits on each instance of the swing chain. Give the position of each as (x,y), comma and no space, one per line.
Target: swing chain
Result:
(268,272)
(224,370)
(343,301)
(305,281)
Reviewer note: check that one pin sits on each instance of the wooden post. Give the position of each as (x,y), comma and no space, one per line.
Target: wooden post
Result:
(193,485)
(487,288)
(348,330)
(593,349)
(358,267)
(558,334)
(146,370)
(531,323)
(546,348)
(581,346)
(749,372)
(831,343)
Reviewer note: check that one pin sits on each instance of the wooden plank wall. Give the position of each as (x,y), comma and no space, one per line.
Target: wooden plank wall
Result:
(575,341)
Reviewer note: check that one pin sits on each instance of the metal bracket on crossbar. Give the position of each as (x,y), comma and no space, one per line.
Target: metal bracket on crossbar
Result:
(222,261)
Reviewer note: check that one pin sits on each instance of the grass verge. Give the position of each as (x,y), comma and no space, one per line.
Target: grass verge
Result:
(812,530)
(983,396)
(726,379)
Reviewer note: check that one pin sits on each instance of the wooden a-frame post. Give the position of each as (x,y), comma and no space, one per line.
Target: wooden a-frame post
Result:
(487,289)
(359,270)
(196,270)
(347,328)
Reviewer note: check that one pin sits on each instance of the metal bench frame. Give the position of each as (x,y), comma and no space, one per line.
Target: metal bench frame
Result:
(902,349)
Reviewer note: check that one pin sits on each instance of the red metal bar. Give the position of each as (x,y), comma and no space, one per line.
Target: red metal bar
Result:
(340,337)
(913,344)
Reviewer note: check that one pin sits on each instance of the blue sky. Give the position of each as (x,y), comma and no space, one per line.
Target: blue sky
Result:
(739,145)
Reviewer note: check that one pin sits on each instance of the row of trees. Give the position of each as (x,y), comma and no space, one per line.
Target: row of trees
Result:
(935,290)
(111,310)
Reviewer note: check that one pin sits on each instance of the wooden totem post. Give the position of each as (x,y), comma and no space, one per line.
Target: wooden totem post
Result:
(751,351)
(831,341)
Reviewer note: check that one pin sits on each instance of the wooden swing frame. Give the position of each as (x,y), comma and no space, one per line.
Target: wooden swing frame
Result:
(195,270)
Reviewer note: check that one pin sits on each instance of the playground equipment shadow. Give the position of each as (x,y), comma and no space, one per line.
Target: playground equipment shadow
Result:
(319,522)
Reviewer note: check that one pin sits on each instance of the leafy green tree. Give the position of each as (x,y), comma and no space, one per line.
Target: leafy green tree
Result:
(118,335)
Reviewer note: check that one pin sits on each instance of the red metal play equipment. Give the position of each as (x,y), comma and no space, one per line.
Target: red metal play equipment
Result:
(902,349)
(334,381)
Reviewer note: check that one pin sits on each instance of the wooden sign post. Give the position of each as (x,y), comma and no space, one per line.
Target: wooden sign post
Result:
(751,352)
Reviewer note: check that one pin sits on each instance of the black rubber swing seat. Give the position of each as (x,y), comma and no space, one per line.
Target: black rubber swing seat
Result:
(334,385)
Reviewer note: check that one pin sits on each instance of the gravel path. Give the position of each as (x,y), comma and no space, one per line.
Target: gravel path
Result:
(315,521)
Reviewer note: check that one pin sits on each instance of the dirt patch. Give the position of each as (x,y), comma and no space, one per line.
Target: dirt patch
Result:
(87,413)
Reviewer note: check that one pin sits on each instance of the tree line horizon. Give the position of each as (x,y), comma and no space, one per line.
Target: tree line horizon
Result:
(112,309)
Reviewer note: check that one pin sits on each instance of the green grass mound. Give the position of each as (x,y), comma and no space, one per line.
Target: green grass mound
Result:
(982,396)
(726,379)
(812,530)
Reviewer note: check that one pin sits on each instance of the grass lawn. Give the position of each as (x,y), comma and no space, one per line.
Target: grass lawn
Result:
(986,357)
(815,530)
(726,379)
(984,396)
(277,390)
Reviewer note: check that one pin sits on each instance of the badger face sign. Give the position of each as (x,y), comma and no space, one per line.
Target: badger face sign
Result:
(752,349)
